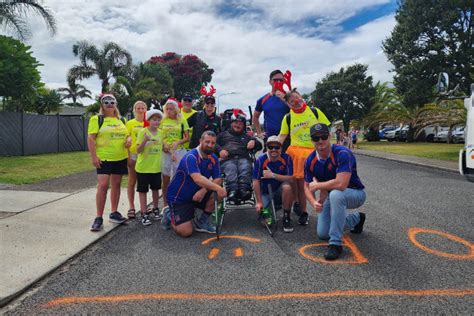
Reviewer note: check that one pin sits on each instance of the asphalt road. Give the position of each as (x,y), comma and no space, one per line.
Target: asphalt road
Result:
(145,270)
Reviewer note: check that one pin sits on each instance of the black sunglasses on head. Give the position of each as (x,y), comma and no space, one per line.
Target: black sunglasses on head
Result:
(317,138)
(270,147)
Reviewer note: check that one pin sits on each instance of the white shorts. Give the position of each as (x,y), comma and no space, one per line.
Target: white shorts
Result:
(168,166)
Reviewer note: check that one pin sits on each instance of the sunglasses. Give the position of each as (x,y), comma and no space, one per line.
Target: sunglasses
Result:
(270,147)
(211,103)
(278,79)
(108,102)
(188,100)
(317,138)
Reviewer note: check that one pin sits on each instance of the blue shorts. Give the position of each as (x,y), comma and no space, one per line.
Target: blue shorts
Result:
(181,213)
(276,198)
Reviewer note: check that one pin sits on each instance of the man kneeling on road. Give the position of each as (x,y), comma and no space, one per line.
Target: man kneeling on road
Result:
(192,188)
(276,169)
(332,170)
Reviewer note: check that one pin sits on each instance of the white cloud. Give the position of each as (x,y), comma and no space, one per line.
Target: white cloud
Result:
(241,51)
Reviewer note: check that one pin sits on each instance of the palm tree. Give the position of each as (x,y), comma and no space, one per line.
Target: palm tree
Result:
(74,91)
(13,15)
(109,61)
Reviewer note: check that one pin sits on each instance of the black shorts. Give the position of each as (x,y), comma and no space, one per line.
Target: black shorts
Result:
(181,213)
(354,140)
(113,167)
(148,180)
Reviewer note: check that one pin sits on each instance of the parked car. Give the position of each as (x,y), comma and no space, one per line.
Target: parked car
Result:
(385,130)
(390,135)
(458,135)
(441,137)
(402,134)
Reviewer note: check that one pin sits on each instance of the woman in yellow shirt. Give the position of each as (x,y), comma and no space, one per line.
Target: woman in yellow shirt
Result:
(107,142)
(301,118)
(134,126)
(175,131)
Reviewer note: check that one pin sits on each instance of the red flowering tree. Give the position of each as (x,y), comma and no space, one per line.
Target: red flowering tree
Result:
(189,72)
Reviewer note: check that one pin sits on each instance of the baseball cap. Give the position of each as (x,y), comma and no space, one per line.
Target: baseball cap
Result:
(273,139)
(319,128)
(187,97)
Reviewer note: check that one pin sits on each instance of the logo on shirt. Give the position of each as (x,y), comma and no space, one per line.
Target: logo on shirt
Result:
(209,167)
(329,166)
(282,168)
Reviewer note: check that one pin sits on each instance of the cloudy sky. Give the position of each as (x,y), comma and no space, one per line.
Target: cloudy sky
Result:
(243,41)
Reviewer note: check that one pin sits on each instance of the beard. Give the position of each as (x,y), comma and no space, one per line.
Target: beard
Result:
(207,150)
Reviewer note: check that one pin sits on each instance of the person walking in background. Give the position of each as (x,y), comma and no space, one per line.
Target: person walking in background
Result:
(296,125)
(175,135)
(332,170)
(149,148)
(273,107)
(187,111)
(107,141)
(134,126)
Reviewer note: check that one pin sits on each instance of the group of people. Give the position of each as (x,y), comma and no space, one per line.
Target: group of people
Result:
(185,153)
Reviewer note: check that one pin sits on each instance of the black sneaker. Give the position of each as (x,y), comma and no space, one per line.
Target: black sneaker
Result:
(97,225)
(333,253)
(156,214)
(360,226)
(146,220)
(117,218)
(296,209)
(287,226)
(304,219)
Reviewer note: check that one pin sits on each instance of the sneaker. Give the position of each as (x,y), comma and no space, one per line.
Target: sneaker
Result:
(287,225)
(166,219)
(117,218)
(97,225)
(156,214)
(296,209)
(205,227)
(360,226)
(333,253)
(304,219)
(146,220)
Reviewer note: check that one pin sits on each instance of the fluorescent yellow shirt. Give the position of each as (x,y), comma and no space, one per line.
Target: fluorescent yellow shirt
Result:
(133,127)
(300,125)
(149,160)
(110,141)
(187,115)
(173,130)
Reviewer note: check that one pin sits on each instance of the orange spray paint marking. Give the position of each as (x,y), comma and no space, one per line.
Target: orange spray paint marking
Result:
(245,238)
(412,232)
(262,297)
(238,252)
(358,258)
(213,253)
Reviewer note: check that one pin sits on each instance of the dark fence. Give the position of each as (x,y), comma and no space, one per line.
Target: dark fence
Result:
(28,134)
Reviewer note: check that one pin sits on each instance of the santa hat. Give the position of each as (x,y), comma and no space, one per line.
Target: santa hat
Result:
(173,101)
(238,115)
(150,113)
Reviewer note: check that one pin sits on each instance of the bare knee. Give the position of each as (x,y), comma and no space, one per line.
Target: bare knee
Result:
(183,230)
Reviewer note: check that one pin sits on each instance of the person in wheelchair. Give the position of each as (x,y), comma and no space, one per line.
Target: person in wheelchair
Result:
(235,149)
(276,169)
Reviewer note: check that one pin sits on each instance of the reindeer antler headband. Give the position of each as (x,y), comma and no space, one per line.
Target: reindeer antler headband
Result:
(205,93)
(286,81)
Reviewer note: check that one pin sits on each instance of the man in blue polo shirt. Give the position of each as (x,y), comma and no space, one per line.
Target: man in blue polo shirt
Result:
(332,170)
(192,188)
(273,108)
(276,169)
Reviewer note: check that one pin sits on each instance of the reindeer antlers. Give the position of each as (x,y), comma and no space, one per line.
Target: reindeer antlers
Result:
(278,85)
(204,92)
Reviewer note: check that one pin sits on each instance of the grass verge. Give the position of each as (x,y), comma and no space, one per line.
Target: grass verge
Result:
(31,169)
(440,151)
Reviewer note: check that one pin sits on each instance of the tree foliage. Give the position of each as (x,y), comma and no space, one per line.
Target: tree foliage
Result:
(19,75)
(345,95)
(14,15)
(189,73)
(74,91)
(427,39)
(46,101)
(109,61)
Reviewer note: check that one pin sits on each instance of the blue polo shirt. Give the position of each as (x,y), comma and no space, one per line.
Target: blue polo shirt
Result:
(341,159)
(283,166)
(182,188)
(274,109)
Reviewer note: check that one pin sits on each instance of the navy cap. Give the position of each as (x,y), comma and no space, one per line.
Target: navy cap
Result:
(187,97)
(319,128)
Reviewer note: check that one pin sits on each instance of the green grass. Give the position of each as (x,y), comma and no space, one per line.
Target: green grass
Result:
(31,169)
(440,151)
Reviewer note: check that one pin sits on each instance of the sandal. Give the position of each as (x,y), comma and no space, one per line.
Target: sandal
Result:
(131,213)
